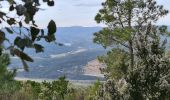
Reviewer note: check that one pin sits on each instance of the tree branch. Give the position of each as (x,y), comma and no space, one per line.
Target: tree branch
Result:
(123,44)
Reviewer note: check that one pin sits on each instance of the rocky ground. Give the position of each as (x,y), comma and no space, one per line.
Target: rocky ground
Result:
(93,68)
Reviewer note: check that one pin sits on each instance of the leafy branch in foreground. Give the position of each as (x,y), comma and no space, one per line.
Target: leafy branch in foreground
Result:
(19,22)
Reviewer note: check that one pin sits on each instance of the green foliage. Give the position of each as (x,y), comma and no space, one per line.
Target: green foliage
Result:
(51,31)
(108,37)
(4,73)
(119,17)
(7,83)
(117,64)
(92,91)
(30,90)
(150,79)
(28,33)
(50,90)
(137,68)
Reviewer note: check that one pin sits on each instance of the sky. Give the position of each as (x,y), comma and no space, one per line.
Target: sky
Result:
(70,13)
(165,20)
(80,13)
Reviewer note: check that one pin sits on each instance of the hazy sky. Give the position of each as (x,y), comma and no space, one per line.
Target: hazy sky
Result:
(70,13)
(166,19)
(80,13)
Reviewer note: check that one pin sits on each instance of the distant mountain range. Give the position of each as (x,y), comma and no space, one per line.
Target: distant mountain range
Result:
(67,60)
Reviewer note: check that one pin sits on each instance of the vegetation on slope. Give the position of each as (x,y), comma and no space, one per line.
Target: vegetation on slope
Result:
(138,67)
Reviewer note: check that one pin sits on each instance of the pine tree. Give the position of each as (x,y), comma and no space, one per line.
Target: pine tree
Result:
(137,66)
(7,83)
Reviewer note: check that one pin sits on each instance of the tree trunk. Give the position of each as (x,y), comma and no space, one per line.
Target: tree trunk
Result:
(131,54)
(130,41)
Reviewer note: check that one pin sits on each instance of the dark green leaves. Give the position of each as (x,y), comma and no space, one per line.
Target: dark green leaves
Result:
(163,29)
(51,31)
(50,3)
(24,12)
(11,8)
(51,28)
(20,24)
(108,37)
(34,33)
(38,48)
(22,55)
(122,34)
(98,18)
(11,21)
(26,68)
(50,38)
(50,35)
(9,30)
(27,18)
(44,0)
(116,61)
(103,37)
(17,41)
(22,42)
(2,37)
